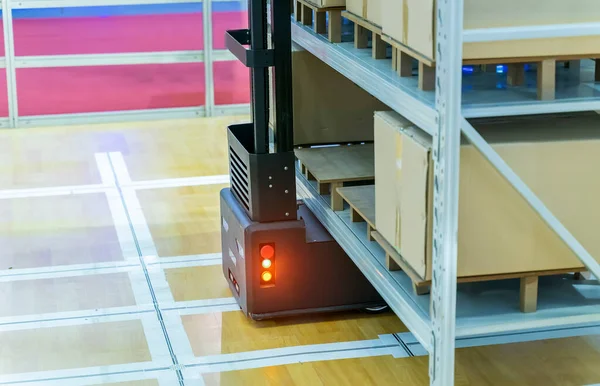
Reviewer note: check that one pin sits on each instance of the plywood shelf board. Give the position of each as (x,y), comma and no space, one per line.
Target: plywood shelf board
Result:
(339,164)
(362,199)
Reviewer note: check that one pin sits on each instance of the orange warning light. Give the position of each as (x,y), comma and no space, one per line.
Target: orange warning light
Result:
(267,263)
(266,276)
(267,251)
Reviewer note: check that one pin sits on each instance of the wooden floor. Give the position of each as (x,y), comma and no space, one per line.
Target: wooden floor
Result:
(110,274)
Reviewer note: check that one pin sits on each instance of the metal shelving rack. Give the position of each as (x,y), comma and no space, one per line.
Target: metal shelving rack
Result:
(438,323)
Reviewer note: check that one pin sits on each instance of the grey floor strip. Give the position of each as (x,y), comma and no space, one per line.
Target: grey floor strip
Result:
(412,345)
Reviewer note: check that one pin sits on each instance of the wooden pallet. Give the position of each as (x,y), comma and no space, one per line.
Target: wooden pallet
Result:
(362,27)
(331,167)
(361,200)
(395,262)
(304,14)
(403,57)
(529,280)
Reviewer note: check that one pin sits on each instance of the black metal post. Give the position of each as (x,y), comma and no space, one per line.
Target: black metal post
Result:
(282,92)
(257,21)
(259,58)
(264,182)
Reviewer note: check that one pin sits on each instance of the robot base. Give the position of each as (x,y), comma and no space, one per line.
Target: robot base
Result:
(288,268)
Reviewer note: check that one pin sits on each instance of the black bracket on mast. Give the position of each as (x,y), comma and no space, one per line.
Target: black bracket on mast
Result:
(259,57)
(264,182)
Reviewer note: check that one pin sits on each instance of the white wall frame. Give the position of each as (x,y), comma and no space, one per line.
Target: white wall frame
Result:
(209,89)
(30,4)
(33,121)
(9,57)
(207,56)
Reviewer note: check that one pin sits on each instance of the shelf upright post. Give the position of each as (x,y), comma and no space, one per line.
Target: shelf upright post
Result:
(446,155)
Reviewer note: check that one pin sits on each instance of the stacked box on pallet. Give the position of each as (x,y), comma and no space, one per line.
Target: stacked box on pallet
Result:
(412,24)
(328,3)
(499,233)
(369,10)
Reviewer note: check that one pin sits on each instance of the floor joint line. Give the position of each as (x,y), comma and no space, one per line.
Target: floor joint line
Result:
(403,345)
(146,273)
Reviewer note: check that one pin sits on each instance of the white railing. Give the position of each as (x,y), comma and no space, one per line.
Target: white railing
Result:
(208,56)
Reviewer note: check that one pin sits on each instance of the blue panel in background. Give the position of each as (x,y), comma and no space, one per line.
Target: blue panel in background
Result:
(128,10)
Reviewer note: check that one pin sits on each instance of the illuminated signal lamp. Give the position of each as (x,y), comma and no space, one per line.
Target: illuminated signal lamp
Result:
(267,254)
(267,251)
(266,276)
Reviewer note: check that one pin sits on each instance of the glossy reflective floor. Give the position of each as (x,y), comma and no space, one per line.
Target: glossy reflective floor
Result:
(110,274)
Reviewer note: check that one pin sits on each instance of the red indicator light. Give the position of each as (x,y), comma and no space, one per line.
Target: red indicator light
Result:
(267,251)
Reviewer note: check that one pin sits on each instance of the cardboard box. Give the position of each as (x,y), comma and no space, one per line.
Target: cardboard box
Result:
(357,7)
(412,23)
(328,3)
(328,108)
(498,232)
(370,10)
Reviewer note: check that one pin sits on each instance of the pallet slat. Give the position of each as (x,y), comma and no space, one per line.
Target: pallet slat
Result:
(304,13)
(362,27)
(361,200)
(331,167)
(529,280)
(546,83)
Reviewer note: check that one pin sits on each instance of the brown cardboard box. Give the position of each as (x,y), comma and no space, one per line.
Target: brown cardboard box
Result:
(412,23)
(498,232)
(328,3)
(329,108)
(370,10)
(357,7)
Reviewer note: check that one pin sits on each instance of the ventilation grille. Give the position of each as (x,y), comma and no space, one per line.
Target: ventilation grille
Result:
(239,178)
